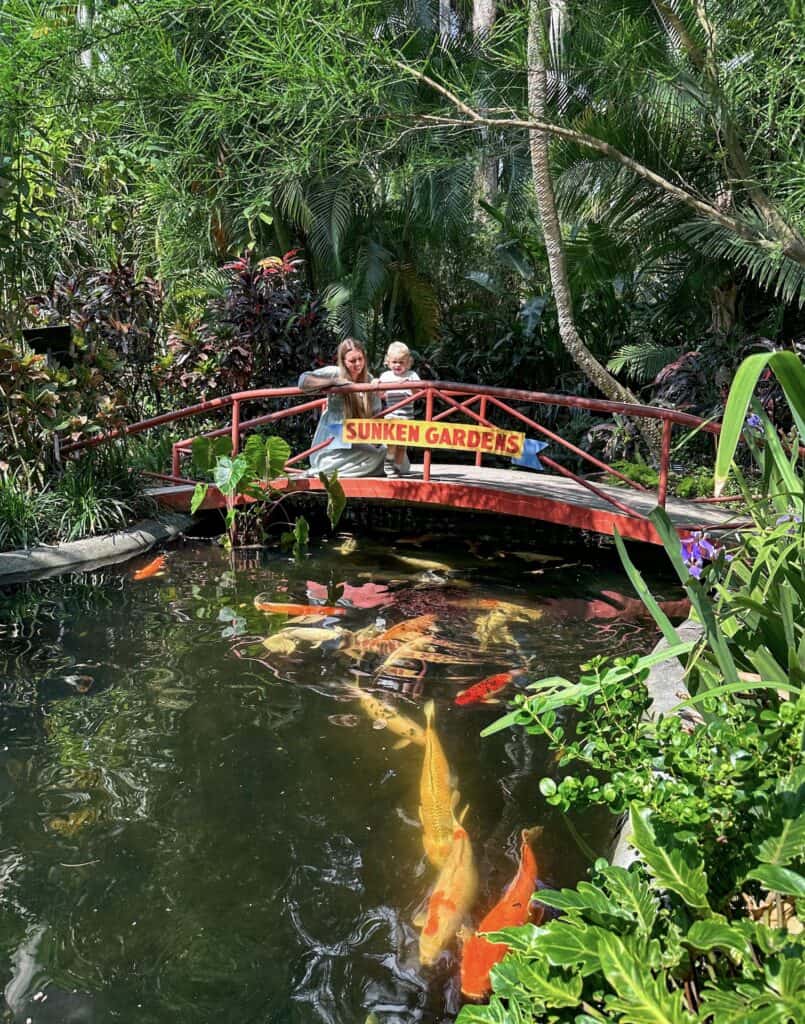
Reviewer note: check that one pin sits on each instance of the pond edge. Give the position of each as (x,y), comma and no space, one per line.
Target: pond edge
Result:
(92,552)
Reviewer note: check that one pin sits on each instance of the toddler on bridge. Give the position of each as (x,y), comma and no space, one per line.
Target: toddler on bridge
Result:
(398,360)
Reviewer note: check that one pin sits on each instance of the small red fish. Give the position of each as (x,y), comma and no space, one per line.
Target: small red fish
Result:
(151,569)
(479,692)
(280,608)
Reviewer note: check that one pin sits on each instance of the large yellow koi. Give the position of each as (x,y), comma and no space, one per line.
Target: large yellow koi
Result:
(438,799)
(387,716)
(288,639)
(451,899)
(514,611)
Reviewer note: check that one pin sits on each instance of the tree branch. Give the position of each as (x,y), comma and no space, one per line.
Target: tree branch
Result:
(786,240)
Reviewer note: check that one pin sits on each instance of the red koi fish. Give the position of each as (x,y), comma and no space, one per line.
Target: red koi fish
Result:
(479,955)
(153,567)
(482,691)
(279,608)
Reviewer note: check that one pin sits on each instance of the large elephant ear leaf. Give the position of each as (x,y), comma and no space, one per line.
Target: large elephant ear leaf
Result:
(255,452)
(278,452)
(791,374)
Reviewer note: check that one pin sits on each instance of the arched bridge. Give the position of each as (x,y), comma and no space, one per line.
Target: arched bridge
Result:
(482,479)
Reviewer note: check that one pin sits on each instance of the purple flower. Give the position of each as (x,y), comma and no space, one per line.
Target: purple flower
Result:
(698,549)
(789,517)
(753,421)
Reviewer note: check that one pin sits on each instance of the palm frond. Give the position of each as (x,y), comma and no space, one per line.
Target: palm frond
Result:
(764,263)
(642,360)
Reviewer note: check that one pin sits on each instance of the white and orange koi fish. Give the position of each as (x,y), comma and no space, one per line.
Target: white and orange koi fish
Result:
(451,898)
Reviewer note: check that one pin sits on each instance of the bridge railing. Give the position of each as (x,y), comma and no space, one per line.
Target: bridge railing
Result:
(471,400)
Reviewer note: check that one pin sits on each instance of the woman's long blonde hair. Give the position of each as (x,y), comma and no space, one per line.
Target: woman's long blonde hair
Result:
(356,406)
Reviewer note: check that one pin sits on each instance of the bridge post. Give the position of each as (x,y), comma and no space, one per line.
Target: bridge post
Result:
(482,414)
(665,456)
(235,427)
(428,416)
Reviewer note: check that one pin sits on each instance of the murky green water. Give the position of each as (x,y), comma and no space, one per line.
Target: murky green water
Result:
(196,829)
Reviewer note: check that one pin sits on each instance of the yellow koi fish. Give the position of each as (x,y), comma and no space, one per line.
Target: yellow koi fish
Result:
(438,799)
(422,563)
(287,640)
(451,898)
(519,612)
(492,628)
(388,717)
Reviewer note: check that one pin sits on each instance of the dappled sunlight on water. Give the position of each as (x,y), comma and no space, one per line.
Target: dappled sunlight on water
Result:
(205,817)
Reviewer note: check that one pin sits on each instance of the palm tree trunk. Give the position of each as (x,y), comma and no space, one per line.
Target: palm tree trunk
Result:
(551,228)
(483,19)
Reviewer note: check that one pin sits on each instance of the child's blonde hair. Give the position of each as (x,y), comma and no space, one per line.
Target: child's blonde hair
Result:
(401,350)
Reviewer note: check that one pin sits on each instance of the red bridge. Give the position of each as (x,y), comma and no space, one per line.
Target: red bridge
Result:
(560,495)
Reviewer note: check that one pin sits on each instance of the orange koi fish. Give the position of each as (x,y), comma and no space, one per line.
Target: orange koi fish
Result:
(403,632)
(479,955)
(438,799)
(151,569)
(450,900)
(279,608)
(484,690)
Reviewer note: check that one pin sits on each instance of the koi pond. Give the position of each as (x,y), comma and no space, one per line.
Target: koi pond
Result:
(212,809)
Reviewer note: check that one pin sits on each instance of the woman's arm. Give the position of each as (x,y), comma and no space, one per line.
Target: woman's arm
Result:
(316,380)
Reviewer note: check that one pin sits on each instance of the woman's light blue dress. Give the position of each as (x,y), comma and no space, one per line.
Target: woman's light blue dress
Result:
(349,460)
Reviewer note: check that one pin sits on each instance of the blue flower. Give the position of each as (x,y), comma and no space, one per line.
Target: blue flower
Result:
(753,421)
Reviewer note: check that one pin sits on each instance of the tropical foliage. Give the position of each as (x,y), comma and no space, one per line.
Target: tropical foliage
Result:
(706,924)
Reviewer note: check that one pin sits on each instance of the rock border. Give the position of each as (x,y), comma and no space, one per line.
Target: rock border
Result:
(93,552)
(666,687)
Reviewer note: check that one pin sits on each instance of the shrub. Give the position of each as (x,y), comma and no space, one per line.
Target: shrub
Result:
(263,330)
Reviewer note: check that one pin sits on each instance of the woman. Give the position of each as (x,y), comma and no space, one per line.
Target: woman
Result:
(349,460)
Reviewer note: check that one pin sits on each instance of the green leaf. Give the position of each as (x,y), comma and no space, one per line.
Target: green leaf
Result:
(791,374)
(518,978)
(640,998)
(492,1013)
(645,595)
(199,494)
(634,894)
(586,898)
(716,933)
(254,451)
(788,842)
(676,868)
(202,458)
(228,473)
(278,452)
(336,499)
(696,593)
(781,880)
(565,943)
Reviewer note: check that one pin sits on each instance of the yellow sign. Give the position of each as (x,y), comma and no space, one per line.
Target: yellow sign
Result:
(424,434)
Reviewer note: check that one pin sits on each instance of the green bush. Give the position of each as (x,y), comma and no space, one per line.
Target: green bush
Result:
(637,471)
(94,494)
(696,484)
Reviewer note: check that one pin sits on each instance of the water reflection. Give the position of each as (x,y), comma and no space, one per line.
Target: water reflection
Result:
(202,822)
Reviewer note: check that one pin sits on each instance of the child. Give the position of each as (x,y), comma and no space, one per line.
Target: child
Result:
(398,361)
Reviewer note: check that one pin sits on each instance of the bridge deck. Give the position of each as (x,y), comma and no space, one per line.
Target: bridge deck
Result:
(539,496)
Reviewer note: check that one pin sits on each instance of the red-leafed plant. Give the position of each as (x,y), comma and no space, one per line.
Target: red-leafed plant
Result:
(264,329)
